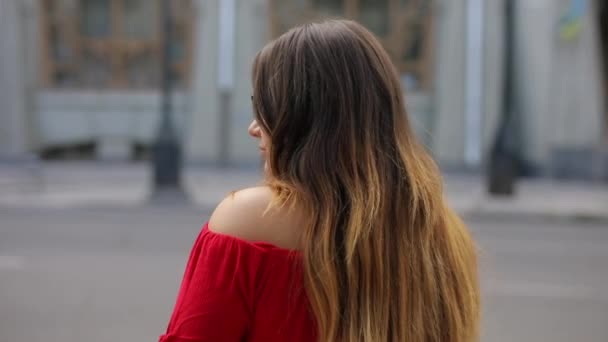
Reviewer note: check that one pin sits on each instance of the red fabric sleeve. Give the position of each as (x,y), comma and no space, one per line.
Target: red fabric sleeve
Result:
(216,296)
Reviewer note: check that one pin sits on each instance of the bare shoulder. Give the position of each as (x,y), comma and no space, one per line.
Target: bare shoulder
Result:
(240,212)
(245,214)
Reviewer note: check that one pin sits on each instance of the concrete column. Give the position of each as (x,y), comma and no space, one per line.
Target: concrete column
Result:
(202,128)
(448,144)
(251,35)
(13,111)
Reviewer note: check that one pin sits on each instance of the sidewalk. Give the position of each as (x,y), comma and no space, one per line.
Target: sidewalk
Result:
(74,184)
(534,198)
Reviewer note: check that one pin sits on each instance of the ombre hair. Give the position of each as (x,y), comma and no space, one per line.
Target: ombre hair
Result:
(384,257)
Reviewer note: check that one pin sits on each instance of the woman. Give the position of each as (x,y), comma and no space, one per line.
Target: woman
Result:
(350,238)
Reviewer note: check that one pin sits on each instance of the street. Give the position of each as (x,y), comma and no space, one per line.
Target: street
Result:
(111,274)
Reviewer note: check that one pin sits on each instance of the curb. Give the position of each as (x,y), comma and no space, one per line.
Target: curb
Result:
(556,216)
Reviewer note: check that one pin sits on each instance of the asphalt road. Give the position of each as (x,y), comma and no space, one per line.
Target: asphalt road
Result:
(111,274)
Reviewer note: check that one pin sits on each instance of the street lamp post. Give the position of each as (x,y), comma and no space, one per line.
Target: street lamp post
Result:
(167,150)
(502,168)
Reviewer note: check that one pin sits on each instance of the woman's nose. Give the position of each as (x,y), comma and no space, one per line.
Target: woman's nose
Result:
(254,129)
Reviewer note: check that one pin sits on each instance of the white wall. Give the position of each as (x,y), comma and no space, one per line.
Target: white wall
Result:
(558,82)
(573,109)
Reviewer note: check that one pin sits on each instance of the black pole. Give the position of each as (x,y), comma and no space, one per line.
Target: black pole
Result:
(603,24)
(167,151)
(502,168)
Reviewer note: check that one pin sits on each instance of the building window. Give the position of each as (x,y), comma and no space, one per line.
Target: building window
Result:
(100,44)
(403,26)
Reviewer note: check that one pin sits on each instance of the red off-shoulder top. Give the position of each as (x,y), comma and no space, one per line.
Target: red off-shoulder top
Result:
(236,290)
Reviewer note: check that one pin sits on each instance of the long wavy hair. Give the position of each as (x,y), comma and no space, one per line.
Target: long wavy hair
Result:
(384,257)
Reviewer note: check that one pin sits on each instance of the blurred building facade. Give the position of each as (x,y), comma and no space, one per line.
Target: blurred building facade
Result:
(83,74)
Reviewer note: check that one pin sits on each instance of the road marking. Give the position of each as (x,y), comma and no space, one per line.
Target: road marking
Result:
(11,263)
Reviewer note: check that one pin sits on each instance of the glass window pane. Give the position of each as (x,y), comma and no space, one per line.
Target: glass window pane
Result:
(330,8)
(96,71)
(65,79)
(414,50)
(177,50)
(143,72)
(182,8)
(96,18)
(61,8)
(176,78)
(374,16)
(141,18)
(61,49)
(289,14)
